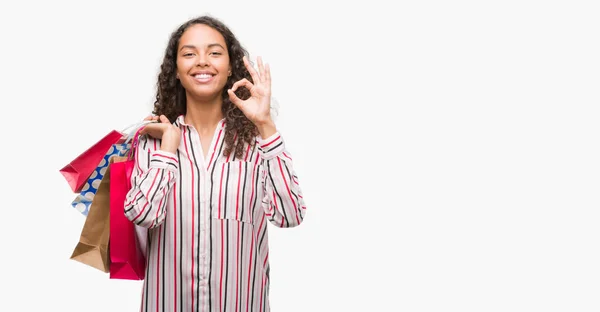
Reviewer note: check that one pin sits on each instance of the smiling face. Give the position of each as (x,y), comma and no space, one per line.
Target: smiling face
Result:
(202,61)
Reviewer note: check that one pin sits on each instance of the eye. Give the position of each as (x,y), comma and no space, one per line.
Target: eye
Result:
(188,54)
(216,53)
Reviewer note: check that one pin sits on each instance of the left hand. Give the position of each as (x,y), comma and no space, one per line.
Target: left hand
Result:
(257,107)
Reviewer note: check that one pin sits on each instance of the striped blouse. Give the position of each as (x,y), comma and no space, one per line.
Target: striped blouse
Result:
(207,218)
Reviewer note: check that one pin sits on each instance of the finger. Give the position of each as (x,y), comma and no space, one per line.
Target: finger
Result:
(154,130)
(261,69)
(242,83)
(251,70)
(268,75)
(235,99)
(164,119)
(148,118)
(144,130)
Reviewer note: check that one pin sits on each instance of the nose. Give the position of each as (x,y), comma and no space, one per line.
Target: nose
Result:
(202,61)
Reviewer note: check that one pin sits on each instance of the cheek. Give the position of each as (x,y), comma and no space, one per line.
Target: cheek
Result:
(223,67)
(223,64)
(183,65)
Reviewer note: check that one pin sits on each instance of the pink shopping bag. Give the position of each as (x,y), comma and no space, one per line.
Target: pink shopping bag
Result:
(127,240)
(79,169)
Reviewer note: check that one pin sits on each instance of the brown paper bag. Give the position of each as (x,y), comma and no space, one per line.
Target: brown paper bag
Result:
(92,248)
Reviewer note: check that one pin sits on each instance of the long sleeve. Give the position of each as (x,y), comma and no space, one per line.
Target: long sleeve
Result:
(282,202)
(152,179)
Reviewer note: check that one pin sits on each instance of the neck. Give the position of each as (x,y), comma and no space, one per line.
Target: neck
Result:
(203,115)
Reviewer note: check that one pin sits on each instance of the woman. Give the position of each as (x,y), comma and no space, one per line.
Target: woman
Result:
(209,175)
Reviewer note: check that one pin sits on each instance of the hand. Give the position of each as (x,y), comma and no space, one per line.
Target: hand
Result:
(258,106)
(165,131)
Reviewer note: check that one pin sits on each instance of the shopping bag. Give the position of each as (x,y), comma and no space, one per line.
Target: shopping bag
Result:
(79,169)
(84,199)
(126,248)
(92,248)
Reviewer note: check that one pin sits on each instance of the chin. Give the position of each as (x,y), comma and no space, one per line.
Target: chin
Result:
(205,92)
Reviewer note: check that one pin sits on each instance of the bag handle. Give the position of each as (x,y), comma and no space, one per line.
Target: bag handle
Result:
(134,144)
(134,128)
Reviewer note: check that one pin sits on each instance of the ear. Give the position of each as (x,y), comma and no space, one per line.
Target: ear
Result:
(230,73)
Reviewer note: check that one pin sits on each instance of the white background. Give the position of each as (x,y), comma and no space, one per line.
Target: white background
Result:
(448,150)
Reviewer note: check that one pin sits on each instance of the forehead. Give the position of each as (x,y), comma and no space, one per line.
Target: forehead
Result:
(200,35)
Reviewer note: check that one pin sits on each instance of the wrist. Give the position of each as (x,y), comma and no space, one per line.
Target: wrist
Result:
(167,145)
(170,140)
(266,129)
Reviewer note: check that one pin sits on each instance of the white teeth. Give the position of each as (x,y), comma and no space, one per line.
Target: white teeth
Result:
(203,76)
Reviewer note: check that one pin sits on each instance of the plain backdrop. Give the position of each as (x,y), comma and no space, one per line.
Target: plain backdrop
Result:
(448,151)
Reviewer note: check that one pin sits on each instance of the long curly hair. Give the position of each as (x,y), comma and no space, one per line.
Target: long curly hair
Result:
(170,94)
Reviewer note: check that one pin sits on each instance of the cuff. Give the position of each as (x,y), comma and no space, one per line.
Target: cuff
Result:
(271,146)
(164,160)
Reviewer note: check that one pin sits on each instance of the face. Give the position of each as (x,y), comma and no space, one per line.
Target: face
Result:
(202,61)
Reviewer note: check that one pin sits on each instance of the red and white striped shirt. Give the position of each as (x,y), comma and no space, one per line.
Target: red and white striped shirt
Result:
(207,219)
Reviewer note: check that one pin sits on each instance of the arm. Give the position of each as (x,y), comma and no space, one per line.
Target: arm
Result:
(152,179)
(282,202)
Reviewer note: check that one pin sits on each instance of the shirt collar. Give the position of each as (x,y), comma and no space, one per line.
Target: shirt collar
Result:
(180,122)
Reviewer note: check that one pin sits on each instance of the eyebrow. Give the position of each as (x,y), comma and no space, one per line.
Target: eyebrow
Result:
(208,46)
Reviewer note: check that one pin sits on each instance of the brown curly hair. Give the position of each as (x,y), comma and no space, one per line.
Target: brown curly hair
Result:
(170,94)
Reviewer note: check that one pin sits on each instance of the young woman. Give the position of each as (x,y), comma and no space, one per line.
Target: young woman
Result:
(209,176)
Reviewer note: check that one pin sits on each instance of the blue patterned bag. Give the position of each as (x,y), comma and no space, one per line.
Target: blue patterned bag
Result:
(84,199)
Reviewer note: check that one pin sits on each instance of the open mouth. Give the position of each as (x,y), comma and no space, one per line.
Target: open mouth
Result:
(203,77)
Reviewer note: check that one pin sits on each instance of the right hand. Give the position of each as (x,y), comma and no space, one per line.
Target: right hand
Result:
(165,131)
